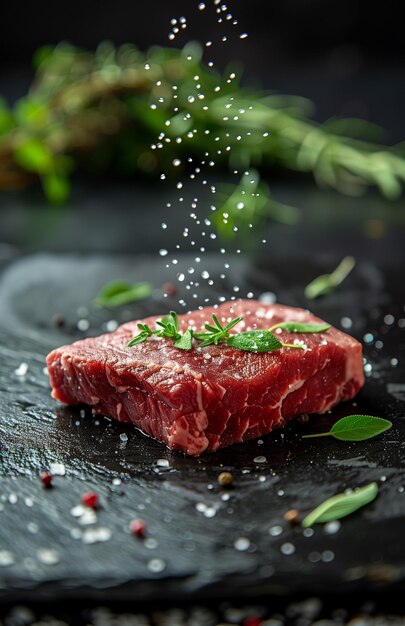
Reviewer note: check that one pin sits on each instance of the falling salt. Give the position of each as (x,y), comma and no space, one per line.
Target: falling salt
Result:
(13,498)
(267,297)
(394,362)
(151,543)
(83,324)
(111,325)
(48,556)
(389,319)
(242,544)
(123,437)
(163,463)
(260,459)
(156,565)
(308,532)
(21,370)
(287,548)
(368,338)
(346,322)
(314,557)
(96,535)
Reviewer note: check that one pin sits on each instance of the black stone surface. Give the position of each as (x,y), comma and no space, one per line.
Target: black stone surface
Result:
(192,522)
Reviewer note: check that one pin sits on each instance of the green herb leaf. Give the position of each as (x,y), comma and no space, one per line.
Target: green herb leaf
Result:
(356,428)
(298,327)
(56,187)
(255,341)
(119,292)
(216,333)
(326,283)
(186,341)
(34,156)
(341,505)
(170,326)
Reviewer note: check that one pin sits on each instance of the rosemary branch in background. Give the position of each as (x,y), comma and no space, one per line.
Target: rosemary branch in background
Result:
(103,110)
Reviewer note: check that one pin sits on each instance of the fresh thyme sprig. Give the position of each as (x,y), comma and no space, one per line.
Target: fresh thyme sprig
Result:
(248,341)
(216,333)
(93,111)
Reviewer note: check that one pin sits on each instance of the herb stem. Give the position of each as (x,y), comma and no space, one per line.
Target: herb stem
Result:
(316,435)
(293,345)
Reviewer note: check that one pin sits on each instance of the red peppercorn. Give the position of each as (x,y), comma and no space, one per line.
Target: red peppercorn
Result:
(90,499)
(138,527)
(46,479)
(253,621)
(170,289)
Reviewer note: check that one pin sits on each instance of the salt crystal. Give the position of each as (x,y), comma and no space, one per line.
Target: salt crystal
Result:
(48,556)
(242,544)
(21,370)
(96,535)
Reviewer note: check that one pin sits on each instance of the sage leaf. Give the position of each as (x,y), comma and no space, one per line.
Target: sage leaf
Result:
(341,505)
(355,428)
(326,283)
(119,292)
(255,341)
(186,341)
(298,327)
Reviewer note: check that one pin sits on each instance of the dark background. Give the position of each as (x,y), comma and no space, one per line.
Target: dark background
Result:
(347,55)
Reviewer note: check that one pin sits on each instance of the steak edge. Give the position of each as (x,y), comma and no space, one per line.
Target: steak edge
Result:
(206,398)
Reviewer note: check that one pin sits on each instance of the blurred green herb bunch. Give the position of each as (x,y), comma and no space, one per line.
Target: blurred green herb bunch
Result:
(121,111)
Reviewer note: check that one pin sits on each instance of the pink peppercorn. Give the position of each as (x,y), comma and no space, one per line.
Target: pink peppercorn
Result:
(138,527)
(46,479)
(90,499)
(253,621)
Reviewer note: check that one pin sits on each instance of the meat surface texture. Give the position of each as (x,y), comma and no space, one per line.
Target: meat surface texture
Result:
(206,398)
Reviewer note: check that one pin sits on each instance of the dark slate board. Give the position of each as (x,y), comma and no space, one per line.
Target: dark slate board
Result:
(193,524)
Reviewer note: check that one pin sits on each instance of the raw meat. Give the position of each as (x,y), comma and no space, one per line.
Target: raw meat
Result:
(207,398)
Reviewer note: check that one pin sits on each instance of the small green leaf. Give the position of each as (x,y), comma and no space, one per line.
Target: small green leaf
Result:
(35,156)
(119,292)
(56,187)
(341,505)
(298,327)
(143,336)
(356,428)
(186,341)
(324,284)
(255,341)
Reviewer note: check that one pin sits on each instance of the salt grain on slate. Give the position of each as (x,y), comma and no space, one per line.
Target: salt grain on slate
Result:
(48,556)
(156,565)
(96,535)
(242,544)
(6,558)
(260,459)
(287,548)
(21,370)
(57,469)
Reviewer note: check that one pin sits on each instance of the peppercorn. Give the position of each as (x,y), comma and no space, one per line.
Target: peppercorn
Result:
(170,289)
(292,516)
(225,479)
(46,479)
(90,499)
(138,527)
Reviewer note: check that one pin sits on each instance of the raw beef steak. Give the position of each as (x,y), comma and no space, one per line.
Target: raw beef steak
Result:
(206,398)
